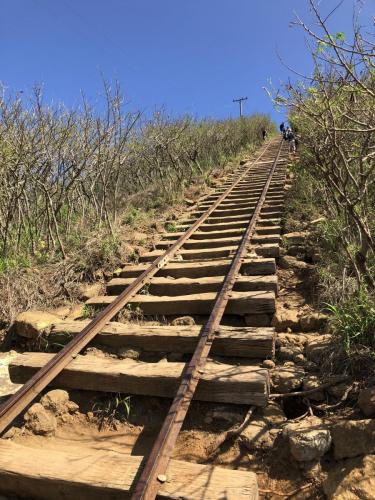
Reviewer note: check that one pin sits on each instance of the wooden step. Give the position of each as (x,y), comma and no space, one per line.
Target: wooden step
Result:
(220,383)
(264,219)
(225,233)
(185,286)
(240,202)
(227,219)
(244,342)
(264,250)
(88,473)
(240,303)
(250,267)
(192,244)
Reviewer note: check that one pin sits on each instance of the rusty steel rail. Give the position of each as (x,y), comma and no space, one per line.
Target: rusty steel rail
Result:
(19,401)
(156,465)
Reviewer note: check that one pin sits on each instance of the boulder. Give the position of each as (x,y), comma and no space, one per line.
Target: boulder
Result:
(352,438)
(352,479)
(294,340)
(287,378)
(299,359)
(366,401)
(268,363)
(308,440)
(31,324)
(313,322)
(90,291)
(273,414)
(296,238)
(296,250)
(285,318)
(256,435)
(288,353)
(40,421)
(318,347)
(57,401)
(290,262)
(312,382)
(183,321)
(128,353)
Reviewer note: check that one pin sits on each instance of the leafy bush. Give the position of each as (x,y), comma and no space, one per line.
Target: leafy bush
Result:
(354,321)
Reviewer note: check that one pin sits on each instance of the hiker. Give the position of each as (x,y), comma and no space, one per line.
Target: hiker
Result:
(291,139)
(264,134)
(282,127)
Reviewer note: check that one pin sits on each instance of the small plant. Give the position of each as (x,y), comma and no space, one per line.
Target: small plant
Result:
(88,311)
(171,227)
(354,321)
(109,409)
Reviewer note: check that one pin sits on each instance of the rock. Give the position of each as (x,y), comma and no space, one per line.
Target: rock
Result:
(313,322)
(273,414)
(308,439)
(299,359)
(90,291)
(58,402)
(296,238)
(40,421)
(352,479)
(256,435)
(183,321)
(352,438)
(285,318)
(128,353)
(268,363)
(31,324)
(312,469)
(311,382)
(290,262)
(288,353)
(295,250)
(77,311)
(287,378)
(366,401)
(293,340)
(11,433)
(95,351)
(318,347)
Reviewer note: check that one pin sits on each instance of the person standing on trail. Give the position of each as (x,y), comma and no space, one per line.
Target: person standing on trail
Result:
(290,137)
(264,134)
(282,127)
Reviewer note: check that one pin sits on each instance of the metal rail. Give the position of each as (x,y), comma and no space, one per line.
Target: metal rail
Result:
(19,401)
(156,465)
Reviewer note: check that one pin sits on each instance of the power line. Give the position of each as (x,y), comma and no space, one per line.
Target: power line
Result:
(240,100)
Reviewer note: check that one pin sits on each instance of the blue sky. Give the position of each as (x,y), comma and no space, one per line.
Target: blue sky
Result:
(190,56)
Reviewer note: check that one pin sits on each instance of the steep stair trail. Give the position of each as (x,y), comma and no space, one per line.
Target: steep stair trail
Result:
(186,275)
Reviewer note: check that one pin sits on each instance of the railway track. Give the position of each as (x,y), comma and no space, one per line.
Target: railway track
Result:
(218,266)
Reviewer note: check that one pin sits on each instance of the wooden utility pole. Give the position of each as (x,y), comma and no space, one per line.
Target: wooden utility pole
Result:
(240,101)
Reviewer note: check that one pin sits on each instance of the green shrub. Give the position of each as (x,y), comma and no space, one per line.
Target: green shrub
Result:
(354,321)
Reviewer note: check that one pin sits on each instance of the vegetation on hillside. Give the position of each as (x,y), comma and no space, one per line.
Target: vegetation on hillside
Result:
(67,172)
(73,181)
(333,112)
